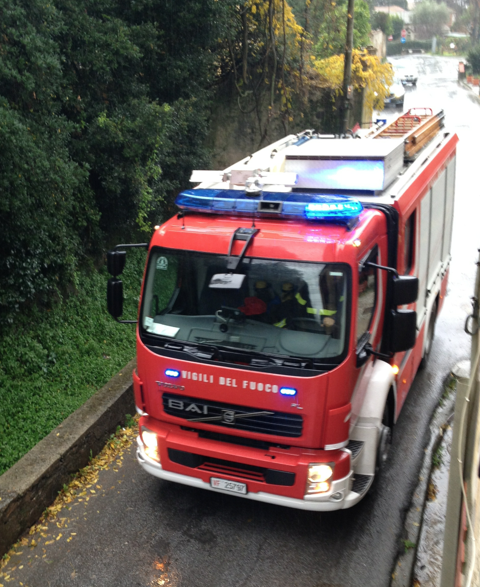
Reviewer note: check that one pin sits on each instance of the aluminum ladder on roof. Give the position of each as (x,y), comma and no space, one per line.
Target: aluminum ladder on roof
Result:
(418,127)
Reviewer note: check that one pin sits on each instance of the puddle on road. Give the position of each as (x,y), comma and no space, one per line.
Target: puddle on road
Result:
(428,567)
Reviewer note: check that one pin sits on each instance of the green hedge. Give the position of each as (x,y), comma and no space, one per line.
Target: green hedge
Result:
(397,47)
(474,59)
(104,111)
(52,361)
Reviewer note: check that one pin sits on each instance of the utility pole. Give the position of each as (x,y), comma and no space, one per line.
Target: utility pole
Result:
(476,10)
(347,69)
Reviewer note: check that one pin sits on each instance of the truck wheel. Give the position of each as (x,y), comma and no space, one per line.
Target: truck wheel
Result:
(385,440)
(430,336)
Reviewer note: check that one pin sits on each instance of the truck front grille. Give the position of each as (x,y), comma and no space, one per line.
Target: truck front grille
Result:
(233,417)
(231,469)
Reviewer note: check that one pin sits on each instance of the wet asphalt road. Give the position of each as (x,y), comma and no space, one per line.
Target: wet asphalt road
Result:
(139,531)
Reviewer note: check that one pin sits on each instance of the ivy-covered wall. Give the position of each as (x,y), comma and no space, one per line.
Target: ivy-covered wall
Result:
(103,113)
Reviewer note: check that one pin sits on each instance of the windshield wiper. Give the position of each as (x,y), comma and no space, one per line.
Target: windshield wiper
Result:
(254,359)
(266,360)
(200,351)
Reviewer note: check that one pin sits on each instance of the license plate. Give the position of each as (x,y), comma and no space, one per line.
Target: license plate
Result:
(228,485)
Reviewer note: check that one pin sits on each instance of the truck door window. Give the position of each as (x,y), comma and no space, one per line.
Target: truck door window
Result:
(367,288)
(409,243)
(162,290)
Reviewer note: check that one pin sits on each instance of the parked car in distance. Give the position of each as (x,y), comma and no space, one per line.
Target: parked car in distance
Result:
(409,77)
(396,97)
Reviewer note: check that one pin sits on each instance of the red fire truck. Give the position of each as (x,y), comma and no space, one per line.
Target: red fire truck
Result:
(286,309)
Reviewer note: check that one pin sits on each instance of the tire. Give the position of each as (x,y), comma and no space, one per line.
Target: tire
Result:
(430,336)
(385,440)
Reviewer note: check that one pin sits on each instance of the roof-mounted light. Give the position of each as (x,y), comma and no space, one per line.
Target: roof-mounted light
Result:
(285,205)
(348,209)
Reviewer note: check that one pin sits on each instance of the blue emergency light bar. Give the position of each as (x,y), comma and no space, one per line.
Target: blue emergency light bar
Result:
(285,205)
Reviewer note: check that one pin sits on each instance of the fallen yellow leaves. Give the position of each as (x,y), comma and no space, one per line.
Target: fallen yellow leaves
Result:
(84,480)
(87,477)
(432,492)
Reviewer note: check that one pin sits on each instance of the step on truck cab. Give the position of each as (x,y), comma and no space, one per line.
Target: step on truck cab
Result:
(286,309)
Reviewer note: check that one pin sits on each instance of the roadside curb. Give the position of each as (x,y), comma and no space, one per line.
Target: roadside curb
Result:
(470,89)
(403,572)
(32,484)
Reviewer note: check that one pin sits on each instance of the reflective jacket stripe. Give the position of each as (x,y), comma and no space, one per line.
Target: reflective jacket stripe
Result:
(321,312)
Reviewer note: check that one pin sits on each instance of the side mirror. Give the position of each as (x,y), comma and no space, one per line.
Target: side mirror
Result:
(115,297)
(404,330)
(362,356)
(404,290)
(116,262)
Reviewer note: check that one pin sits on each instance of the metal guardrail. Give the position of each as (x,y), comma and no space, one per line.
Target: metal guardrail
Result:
(459,547)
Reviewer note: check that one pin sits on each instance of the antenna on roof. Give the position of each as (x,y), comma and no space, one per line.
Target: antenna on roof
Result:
(181,216)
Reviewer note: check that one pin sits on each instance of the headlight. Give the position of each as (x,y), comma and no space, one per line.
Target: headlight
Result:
(150,443)
(319,477)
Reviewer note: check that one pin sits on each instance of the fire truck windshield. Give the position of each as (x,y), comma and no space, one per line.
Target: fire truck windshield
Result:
(288,308)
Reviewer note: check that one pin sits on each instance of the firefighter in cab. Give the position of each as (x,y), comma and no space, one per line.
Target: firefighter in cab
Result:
(294,304)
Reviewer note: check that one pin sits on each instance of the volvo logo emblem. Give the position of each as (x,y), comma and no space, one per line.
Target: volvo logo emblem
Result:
(228,417)
(170,385)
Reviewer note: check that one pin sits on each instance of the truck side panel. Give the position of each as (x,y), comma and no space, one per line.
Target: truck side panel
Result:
(434,238)
(422,251)
(450,195)
(437,220)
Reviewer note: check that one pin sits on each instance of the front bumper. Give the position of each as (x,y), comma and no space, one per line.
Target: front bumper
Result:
(171,438)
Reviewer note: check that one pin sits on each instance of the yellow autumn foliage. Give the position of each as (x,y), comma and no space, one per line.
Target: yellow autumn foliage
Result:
(367,73)
(282,17)
(275,43)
